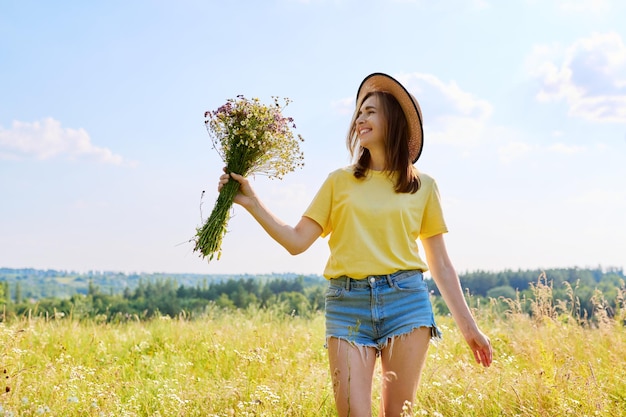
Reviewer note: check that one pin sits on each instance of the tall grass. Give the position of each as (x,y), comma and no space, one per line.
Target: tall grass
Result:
(553,363)
(267,363)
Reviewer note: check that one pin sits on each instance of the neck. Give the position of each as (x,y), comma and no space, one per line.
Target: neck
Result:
(377,161)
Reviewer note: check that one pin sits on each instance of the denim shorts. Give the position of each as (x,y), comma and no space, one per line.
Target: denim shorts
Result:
(374,310)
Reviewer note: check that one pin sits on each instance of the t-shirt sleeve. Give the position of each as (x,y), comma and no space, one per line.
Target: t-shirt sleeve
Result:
(320,208)
(433,222)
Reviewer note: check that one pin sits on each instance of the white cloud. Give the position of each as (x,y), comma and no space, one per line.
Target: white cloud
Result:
(518,149)
(583,6)
(575,6)
(47,139)
(513,150)
(600,197)
(451,115)
(566,149)
(480,4)
(589,75)
(473,4)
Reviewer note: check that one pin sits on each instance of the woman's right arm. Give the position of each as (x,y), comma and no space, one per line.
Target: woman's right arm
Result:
(295,239)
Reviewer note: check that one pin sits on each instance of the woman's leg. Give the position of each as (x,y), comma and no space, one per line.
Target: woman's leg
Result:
(352,370)
(402,362)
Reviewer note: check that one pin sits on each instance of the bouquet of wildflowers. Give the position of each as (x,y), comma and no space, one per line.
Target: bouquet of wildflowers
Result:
(251,138)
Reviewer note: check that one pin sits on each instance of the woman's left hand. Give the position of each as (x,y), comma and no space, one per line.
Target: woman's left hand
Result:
(481,347)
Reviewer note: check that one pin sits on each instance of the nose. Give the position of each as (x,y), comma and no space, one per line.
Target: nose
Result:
(359,119)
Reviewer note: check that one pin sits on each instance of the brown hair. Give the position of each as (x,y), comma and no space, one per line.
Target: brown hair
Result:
(396,145)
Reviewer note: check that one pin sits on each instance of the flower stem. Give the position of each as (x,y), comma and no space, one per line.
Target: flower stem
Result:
(209,237)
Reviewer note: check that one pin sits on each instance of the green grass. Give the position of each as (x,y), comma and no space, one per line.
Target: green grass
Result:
(265,363)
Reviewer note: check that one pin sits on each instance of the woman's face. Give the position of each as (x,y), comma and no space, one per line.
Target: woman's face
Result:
(371,125)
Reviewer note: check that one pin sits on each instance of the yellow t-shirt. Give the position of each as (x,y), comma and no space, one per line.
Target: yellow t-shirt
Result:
(374,230)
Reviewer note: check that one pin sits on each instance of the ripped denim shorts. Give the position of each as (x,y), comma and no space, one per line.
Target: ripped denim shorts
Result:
(374,310)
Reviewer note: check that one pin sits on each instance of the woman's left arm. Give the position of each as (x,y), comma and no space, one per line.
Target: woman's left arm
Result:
(448,283)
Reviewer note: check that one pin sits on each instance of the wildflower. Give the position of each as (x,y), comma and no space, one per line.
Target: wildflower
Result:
(43,409)
(251,138)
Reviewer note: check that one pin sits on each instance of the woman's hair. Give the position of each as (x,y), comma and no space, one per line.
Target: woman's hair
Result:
(396,145)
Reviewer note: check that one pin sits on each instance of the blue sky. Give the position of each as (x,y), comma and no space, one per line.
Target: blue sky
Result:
(104,154)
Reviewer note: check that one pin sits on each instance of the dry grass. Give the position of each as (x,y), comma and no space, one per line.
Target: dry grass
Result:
(263,363)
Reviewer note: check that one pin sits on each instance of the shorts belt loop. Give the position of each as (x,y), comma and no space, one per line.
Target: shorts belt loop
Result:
(389,280)
(348,283)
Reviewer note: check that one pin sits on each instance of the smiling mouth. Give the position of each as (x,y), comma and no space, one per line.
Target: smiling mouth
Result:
(363,131)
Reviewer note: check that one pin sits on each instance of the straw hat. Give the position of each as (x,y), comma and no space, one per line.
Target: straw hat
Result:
(385,83)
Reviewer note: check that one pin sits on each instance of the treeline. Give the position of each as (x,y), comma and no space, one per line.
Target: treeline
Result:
(581,284)
(165,297)
(494,284)
(30,283)
(161,295)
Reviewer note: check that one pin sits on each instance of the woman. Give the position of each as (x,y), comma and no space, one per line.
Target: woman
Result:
(377,303)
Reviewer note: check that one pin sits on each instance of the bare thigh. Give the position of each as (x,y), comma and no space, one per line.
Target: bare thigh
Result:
(402,363)
(352,370)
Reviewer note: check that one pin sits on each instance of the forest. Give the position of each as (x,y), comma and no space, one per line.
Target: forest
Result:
(115,297)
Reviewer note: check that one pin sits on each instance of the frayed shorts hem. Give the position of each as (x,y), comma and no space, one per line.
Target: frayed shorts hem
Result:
(435,336)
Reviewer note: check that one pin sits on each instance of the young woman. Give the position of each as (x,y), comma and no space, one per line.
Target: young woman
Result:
(377,303)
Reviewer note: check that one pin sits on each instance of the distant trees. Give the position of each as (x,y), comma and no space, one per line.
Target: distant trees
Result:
(572,284)
(299,295)
(4,292)
(152,298)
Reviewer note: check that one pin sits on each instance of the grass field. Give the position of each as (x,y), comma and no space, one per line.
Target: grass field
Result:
(265,363)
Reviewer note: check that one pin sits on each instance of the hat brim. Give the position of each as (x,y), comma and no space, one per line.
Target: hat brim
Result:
(385,83)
